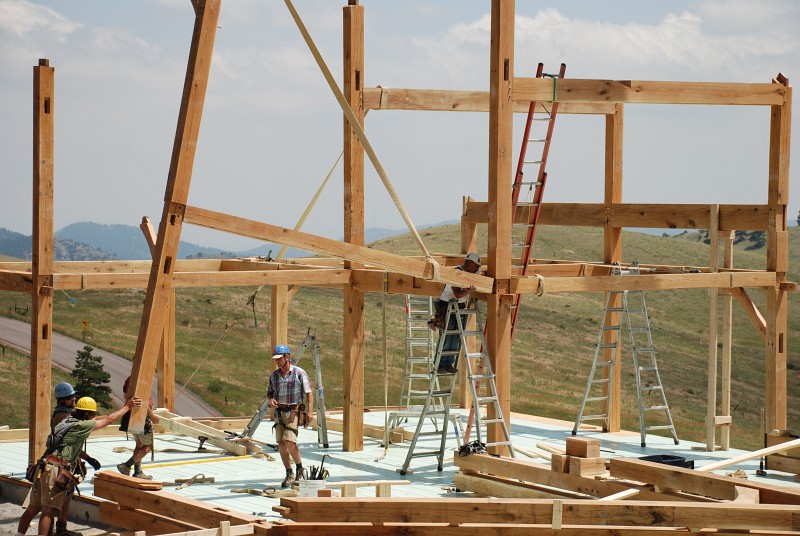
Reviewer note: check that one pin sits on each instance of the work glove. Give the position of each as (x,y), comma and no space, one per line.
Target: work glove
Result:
(93,462)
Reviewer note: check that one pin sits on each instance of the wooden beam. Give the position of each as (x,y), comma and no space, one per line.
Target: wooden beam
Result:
(651,216)
(448,100)
(752,311)
(177,192)
(700,483)
(352,252)
(649,92)
(643,282)
(141,520)
(188,427)
(353,312)
(540,511)
(727,344)
(713,324)
(42,258)
(15,281)
(279,315)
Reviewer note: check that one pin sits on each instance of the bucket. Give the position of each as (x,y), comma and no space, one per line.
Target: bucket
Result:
(309,488)
(668,459)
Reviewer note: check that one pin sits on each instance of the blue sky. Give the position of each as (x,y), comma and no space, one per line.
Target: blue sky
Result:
(271,129)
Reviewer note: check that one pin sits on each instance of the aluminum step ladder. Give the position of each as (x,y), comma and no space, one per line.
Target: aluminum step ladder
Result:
(420,350)
(633,309)
(455,323)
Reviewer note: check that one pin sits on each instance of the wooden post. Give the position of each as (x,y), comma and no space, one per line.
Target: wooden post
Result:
(612,252)
(778,259)
(727,347)
(354,318)
(42,258)
(501,118)
(177,192)
(166,352)
(279,314)
(713,321)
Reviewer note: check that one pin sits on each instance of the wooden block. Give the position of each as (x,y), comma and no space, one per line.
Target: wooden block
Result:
(324,493)
(776,437)
(397,437)
(127,481)
(560,463)
(583,447)
(587,466)
(787,464)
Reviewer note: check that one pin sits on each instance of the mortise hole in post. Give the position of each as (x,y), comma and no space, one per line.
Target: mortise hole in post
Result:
(167,264)
(358,80)
(780,343)
(45,331)
(505,69)
(47,105)
(172,219)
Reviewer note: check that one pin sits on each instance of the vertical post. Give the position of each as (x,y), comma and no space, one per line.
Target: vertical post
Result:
(354,320)
(279,313)
(778,259)
(501,122)
(612,252)
(727,347)
(713,322)
(177,193)
(42,258)
(469,242)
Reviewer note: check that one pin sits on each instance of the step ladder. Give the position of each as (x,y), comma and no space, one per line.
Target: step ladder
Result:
(633,309)
(526,209)
(455,322)
(420,350)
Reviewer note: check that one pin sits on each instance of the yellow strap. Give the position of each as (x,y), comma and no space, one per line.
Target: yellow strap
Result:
(354,124)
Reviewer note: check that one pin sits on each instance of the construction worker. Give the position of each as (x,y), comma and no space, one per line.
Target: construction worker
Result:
(144,441)
(287,386)
(452,343)
(57,477)
(65,396)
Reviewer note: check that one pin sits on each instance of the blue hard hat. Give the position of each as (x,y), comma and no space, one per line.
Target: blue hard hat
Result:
(280,350)
(63,390)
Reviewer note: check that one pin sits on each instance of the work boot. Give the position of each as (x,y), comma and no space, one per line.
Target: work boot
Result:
(62,530)
(143,476)
(289,480)
(124,469)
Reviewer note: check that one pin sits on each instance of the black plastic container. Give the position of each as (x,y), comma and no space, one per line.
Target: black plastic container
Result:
(668,459)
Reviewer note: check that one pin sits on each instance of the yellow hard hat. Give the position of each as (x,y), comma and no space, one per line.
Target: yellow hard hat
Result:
(86,403)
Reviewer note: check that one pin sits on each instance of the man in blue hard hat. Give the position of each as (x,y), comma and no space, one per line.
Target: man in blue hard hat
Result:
(287,386)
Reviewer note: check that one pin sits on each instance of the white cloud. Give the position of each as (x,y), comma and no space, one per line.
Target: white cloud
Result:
(21,17)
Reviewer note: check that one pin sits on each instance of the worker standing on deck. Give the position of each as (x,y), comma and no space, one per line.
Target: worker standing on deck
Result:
(57,478)
(287,386)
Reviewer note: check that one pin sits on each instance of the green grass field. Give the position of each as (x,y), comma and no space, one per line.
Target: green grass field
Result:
(551,355)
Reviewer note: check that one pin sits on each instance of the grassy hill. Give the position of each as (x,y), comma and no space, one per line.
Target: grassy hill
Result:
(552,350)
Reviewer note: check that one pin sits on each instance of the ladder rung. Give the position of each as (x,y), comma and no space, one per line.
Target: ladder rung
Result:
(491,421)
(534,140)
(644,348)
(606,345)
(597,398)
(648,369)
(532,162)
(594,418)
(498,443)
(653,388)
(661,427)
(652,408)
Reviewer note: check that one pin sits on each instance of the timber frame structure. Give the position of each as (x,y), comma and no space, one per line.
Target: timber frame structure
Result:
(358,269)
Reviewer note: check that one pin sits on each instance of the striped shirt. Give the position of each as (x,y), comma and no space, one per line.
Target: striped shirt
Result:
(288,390)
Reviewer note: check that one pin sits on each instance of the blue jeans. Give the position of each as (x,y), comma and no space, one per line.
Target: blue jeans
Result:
(452,343)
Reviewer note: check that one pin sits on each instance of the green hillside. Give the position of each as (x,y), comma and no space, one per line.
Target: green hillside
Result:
(552,351)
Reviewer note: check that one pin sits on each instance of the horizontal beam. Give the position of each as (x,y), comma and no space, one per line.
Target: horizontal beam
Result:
(334,248)
(651,216)
(529,285)
(648,92)
(16,281)
(444,100)
(540,511)
(116,267)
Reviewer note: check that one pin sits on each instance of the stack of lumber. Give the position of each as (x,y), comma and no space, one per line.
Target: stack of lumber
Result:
(582,458)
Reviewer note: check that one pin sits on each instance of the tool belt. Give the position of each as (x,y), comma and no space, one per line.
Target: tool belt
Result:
(58,460)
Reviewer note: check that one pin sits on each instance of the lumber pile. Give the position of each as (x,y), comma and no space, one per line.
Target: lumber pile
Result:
(787,461)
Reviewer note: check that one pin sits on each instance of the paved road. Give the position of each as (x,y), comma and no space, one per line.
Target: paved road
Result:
(18,334)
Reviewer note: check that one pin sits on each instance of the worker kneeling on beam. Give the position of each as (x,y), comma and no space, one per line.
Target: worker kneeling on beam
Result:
(288,385)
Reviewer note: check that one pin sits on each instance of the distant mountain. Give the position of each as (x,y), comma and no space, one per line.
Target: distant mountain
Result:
(20,246)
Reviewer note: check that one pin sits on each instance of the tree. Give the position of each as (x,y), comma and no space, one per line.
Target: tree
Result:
(798,217)
(92,377)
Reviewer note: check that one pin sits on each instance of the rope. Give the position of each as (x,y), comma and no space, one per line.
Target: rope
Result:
(385,370)
(358,130)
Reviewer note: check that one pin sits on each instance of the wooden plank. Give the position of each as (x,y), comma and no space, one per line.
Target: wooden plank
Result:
(177,192)
(587,466)
(172,505)
(650,92)
(539,511)
(647,215)
(186,426)
(150,522)
(449,100)
(353,252)
(42,264)
(127,481)
(700,483)
(750,456)
(16,281)
(496,486)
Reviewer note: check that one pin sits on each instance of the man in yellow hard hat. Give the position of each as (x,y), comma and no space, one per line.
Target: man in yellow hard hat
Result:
(56,478)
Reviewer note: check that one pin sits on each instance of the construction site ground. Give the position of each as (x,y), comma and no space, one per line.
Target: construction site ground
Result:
(177,457)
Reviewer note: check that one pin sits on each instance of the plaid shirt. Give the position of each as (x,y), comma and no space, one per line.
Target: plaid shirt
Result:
(289,390)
